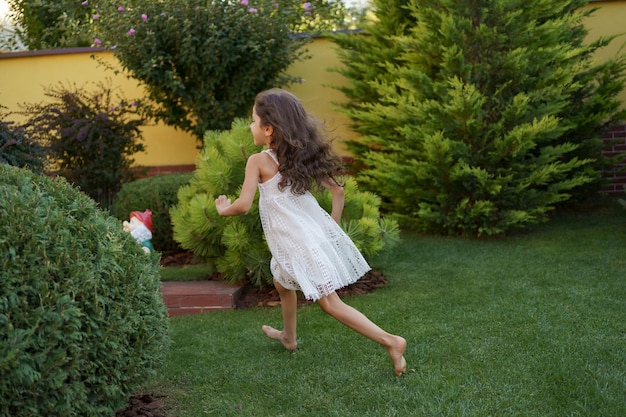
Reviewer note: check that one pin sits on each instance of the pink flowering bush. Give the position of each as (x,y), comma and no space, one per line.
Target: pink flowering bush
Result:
(48,24)
(202,62)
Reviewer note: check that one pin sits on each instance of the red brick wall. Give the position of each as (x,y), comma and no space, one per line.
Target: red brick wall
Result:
(616,144)
(164,169)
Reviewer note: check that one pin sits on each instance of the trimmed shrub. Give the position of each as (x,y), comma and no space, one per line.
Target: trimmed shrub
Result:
(158,194)
(82,321)
(236,245)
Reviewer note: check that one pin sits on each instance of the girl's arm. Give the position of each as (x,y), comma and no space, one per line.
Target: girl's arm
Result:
(336,191)
(248,191)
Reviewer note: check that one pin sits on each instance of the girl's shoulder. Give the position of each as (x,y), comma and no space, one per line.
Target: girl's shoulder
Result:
(272,154)
(261,156)
(266,163)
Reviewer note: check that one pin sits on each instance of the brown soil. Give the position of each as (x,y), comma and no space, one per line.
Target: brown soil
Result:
(268,297)
(144,405)
(177,259)
(151,405)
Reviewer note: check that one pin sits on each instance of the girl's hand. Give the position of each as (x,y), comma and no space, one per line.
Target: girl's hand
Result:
(222,203)
(248,190)
(338,198)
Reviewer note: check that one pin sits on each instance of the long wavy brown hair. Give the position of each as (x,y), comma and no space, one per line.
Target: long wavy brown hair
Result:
(304,151)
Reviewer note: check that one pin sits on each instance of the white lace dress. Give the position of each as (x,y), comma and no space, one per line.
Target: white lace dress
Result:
(310,252)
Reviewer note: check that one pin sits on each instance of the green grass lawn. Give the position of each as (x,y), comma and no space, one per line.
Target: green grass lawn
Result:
(530,325)
(192,272)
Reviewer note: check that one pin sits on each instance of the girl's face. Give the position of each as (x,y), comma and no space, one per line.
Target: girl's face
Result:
(262,134)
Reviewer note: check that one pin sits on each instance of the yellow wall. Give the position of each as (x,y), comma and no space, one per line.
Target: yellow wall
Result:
(23,77)
(608,20)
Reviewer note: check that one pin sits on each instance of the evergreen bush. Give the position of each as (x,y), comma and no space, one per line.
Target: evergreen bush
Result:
(159,194)
(82,321)
(235,246)
(487,117)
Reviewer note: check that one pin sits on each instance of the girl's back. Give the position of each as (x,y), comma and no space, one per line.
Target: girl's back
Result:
(310,251)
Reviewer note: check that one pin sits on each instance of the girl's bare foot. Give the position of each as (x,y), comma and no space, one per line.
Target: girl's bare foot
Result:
(272,333)
(396,353)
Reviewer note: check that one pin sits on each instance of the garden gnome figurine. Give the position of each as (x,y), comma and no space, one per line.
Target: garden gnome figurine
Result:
(140,227)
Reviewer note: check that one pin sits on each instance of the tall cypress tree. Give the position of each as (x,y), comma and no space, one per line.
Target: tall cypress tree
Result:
(488,114)
(369,55)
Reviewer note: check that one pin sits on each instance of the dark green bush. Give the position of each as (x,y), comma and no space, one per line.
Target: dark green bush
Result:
(82,321)
(16,149)
(48,24)
(158,194)
(90,137)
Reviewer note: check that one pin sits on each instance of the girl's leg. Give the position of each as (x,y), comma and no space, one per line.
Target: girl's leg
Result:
(288,305)
(357,321)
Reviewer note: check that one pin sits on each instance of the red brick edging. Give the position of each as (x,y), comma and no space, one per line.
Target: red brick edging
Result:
(191,297)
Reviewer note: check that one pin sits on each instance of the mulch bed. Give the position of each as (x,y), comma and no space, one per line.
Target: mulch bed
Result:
(177,259)
(268,297)
(151,405)
(144,405)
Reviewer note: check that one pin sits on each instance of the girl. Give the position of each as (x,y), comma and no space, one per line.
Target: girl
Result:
(310,252)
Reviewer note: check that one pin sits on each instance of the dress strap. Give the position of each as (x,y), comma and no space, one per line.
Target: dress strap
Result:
(272,153)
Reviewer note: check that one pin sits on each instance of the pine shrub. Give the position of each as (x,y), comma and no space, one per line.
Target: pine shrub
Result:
(82,321)
(235,246)
(159,194)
